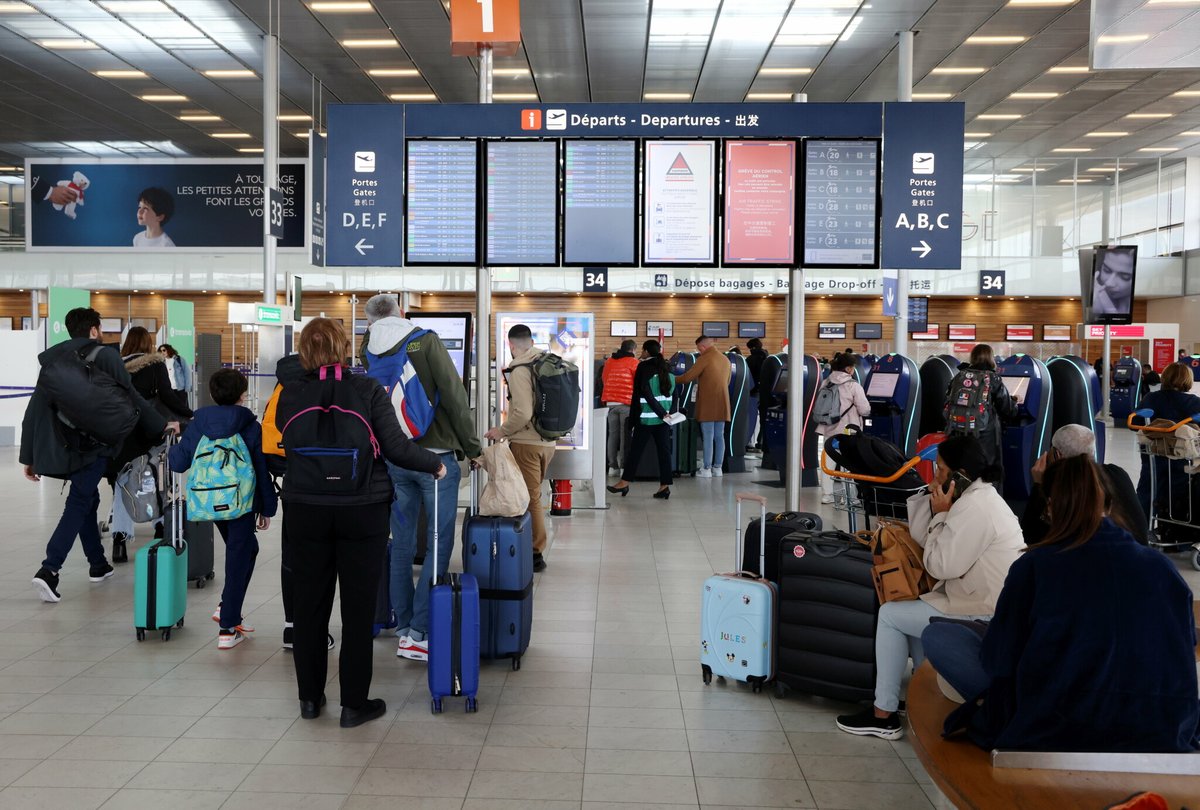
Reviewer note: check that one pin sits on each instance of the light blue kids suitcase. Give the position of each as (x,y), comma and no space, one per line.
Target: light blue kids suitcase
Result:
(737,616)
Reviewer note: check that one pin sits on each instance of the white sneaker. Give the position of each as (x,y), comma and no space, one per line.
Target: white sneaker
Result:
(826,499)
(717,472)
(704,472)
(412,650)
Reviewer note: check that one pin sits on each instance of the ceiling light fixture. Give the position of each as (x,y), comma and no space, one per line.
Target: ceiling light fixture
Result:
(667,96)
(135,7)
(229,136)
(784,71)
(515,96)
(66,44)
(1070,69)
(1042,3)
(1106,134)
(977,134)
(995,40)
(1149,115)
(199,118)
(1173,3)
(10,7)
(378,42)
(768,96)
(335,7)
(1033,96)
(510,71)
(1158,149)
(932,96)
(251,150)
(293,117)
(806,39)
(162,97)
(1072,149)
(121,74)
(230,74)
(414,97)
(1121,39)
(393,72)
(1187,93)
(957,71)
(303,134)
(1191,133)
(999,116)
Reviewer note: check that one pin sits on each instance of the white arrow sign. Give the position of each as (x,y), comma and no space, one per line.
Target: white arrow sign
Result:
(891,297)
(362,249)
(923,250)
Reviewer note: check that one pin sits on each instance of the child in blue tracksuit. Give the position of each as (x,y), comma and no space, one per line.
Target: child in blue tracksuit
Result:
(220,421)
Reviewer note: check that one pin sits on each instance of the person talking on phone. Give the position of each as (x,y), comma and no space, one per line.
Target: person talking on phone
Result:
(970,539)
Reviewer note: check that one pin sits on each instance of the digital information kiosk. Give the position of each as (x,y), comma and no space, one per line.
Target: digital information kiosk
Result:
(894,391)
(1027,436)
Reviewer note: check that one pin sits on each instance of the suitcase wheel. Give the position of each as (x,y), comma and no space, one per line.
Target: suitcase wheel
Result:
(166,634)
(201,582)
(516,662)
(1196,559)
(756,687)
(102,526)
(180,624)
(472,705)
(781,690)
(707,672)
(435,706)
(211,575)
(141,634)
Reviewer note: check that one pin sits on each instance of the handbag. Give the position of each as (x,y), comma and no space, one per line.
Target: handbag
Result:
(505,493)
(899,572)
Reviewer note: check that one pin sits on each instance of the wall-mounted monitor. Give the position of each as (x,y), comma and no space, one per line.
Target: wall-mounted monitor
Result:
(960,331)
(1057,332)
(1018,332)
(679,199)
(600,203)
(666,327)
(622,329)
(360,326)
(931,332)
(26,322)
(521,203)
(831,331)
(440,202)
(760,203)
(716,329)
(1110,291)
(6,324)
(149,324)
(752,329)
(111,326)
(841,203)
(868,331)
(882,385)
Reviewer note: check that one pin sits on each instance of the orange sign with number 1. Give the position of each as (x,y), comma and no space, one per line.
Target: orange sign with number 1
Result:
(485,22)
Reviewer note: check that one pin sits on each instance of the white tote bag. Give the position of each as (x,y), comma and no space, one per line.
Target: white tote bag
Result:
(504,494)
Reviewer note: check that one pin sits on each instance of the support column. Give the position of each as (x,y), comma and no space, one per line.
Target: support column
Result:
(795,414)
(903,93)
(483,288)
(270,174)
(1191,203)
(35,314)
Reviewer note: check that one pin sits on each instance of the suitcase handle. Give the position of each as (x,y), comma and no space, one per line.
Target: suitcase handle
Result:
(433,521)
(762,531)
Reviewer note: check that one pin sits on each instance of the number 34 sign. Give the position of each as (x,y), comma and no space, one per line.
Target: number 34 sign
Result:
(991,282)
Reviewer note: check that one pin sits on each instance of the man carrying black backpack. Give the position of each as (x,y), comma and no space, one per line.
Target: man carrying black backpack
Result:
(83,408)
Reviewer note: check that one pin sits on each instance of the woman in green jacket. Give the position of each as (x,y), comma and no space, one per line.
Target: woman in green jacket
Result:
(652,388)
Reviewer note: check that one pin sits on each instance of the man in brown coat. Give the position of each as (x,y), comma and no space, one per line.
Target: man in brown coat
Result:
(711,373)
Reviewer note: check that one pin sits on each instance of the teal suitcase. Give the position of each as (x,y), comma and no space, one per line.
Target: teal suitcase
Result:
(160,575)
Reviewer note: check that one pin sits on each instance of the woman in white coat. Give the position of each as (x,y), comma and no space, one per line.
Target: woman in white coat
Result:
(853,408)
(971,537)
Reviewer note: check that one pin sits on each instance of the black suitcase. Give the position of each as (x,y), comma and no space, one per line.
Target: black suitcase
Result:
(779,526)
(199,538)
(826,618)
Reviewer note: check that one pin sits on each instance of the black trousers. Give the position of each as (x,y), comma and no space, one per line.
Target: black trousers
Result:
(335,545)
(642,435)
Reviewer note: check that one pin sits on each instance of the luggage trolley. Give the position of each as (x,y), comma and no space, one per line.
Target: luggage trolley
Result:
(1179,529)
(872,495)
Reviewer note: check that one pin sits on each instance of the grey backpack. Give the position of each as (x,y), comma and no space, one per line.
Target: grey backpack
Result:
(138,488)
(827,409)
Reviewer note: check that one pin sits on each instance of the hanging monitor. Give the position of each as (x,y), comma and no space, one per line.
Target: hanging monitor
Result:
(679,217)
(841,203)
(522,203)
(1109,291)
(440,203)
(600,203)
(760,203)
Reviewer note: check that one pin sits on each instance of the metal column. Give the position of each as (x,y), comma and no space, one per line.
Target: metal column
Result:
(795,415)
(270,176)
(903,93)
(483,289)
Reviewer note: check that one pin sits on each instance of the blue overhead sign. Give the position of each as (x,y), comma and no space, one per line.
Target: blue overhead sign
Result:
(364,186)
(891,287)
(922,185)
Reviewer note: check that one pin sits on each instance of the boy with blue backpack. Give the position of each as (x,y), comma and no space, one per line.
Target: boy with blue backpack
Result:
(228,484)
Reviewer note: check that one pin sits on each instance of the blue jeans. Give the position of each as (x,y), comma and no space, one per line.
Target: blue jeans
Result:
(953,650)
(712,444)
(412,490)
(79,519)
(241,550)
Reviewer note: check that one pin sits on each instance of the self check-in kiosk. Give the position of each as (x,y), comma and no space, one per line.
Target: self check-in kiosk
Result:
(1077,397)
(866,362)
(1125,390)
(773,368)
(775,424)
(936,374)
(894,391)
(739,414)
(1027,436)
(685,435)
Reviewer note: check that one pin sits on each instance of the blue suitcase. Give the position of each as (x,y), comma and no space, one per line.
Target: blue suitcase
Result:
(498,552)
(453,635)
(160,575)
(737,617)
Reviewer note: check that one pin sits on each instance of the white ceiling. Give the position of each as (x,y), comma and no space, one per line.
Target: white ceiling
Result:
(52,102)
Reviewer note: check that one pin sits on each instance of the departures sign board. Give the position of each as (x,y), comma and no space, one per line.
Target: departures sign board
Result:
(522,203)
(600,203)
(442,189)
(841,203)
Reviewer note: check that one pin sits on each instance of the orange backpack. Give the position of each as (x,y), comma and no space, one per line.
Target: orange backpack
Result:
(272,436)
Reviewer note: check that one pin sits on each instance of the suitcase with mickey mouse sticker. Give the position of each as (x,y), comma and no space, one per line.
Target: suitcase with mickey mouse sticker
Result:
(737,616)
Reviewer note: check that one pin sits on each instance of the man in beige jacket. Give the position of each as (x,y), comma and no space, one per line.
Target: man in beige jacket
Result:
(711,371)
(531,451)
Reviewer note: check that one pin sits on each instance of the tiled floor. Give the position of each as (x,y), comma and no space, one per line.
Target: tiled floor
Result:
(608,709)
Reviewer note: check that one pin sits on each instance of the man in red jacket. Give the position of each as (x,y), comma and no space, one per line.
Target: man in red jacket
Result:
(617,378)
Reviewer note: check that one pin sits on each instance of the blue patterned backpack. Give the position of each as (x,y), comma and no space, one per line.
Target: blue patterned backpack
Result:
(220,483)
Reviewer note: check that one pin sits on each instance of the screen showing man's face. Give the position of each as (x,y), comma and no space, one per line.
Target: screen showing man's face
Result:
(1113,284)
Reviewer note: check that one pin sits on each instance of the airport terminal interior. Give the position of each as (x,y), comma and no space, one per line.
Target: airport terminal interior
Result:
(872,188)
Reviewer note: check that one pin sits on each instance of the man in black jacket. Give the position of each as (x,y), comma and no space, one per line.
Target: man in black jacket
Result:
(46,449)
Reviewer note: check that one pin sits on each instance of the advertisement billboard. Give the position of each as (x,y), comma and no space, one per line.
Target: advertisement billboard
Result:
(1109,291)
(158,205)
(679,202)
(760,203)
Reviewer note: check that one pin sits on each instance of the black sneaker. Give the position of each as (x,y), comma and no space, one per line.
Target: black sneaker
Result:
(119,553)
(539,563)
(99,573)
(866,724)
(45,585)
(371,710)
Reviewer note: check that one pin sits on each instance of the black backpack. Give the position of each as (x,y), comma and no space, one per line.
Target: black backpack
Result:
(86,399)
(555,394)
(329,443)
(863,454)
(968,404)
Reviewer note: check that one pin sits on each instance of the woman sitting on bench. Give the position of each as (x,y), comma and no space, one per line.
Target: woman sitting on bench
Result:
(1091,645)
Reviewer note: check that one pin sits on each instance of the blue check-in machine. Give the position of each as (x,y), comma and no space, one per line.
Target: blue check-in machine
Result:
(936,374)
(1125,390)
(1077,397)
(894,391)
(1027,436)
(774,367)
(685,436)
(739,414)
(775,424)
(866,362)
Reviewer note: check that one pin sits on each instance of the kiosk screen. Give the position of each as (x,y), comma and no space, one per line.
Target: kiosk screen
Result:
(882,385)
(1123,376)
(1017,386)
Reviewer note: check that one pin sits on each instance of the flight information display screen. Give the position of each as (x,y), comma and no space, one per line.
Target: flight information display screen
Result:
(841,192)
(600,211)
(522,202)
(441,190)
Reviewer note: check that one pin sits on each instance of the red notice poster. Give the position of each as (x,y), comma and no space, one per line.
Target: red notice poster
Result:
(1164,353)
(760,201)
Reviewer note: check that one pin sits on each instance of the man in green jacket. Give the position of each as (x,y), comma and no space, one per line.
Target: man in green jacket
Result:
(451,436)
